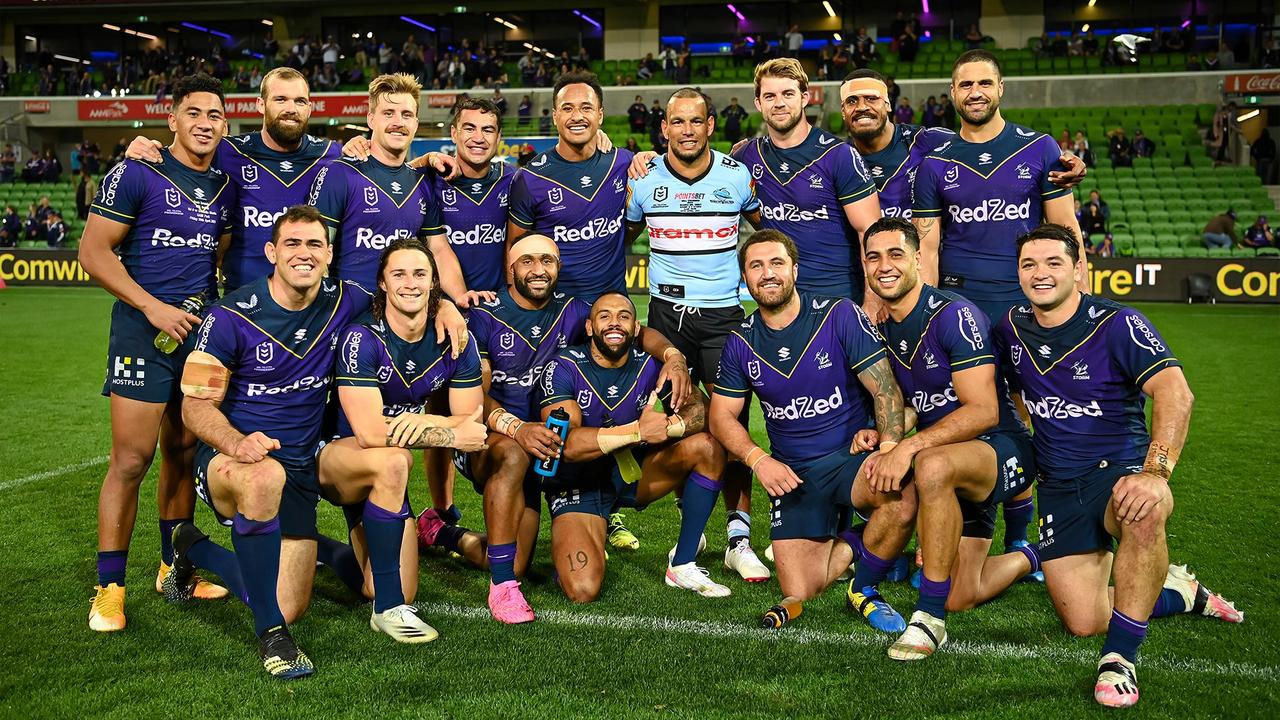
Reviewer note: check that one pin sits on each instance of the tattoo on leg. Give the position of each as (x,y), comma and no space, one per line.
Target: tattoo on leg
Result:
(577,561)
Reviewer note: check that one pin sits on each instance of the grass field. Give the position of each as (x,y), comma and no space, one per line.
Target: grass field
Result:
(644,649)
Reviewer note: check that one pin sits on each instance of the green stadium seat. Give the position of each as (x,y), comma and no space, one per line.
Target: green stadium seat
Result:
(1170,252)
(1195,252)
(1243,252)
(1146,250)
(1219,252)
(1269,252)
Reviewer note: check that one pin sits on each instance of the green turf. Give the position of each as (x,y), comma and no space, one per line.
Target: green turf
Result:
(643,649)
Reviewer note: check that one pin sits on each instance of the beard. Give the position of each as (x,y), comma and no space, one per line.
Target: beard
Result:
(528,293)
(611,354)
(787,126)
(283,134)
(872,134)
(784,297)
(981,119)
(688,158)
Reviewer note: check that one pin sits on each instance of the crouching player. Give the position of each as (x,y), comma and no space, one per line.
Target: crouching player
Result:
(1083,365)
(389,363)
(621,450)
(811,360)
(971,452)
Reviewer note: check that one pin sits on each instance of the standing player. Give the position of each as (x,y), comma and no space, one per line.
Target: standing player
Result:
(622,451)
(971,451)
(168,220)
(692,201)
(575,193)
(1083,365)
(368,203)
(813,187)
(812,360)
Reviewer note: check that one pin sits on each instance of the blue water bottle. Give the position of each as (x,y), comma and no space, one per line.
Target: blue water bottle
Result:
(558,423)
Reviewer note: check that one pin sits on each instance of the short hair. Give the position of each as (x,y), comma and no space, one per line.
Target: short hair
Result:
(760,237)
(788,68)
(484,105)
(690,93)
(393,83)
(579,77)
(1052,231)
(861,73)
(199,82)
(619,293)
(299,214)
(971,56)
(282,73)
(893,224)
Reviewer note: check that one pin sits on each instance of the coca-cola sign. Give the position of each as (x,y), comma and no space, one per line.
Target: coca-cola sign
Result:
(1258,83)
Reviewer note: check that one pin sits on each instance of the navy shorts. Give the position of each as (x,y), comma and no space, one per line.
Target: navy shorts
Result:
(1016,465)
(1073,514)
(135,368)
(298,500)
(814,508)
(532,481)
(595,487)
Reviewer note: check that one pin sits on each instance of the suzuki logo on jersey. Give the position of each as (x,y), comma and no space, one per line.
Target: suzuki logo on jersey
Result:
(482,234)
(172,198)
(784,353)
(476,187)
(265,352)
(596,227)
(991,210)
(613,391)
(371,196)
(555,195)
(253,217)
(925,402)
(877,171)
(753,369)
(396,187)
(449,196)
(286,166)
(249,173)
(1044,350)
(410,366)
(804,406)
(165,238)
(377,241)
(784,167)
(585,181)
(584,398)
(1024,172)
(300,335)
(984,159)
(1148,341)
(660,194)
(823,359)
(953,174)
(902,346)
(1053,407)
(507,341)
(1080,370)
(786,212)
(536,330)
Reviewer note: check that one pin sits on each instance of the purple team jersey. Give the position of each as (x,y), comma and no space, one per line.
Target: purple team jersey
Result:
(580,206)
(1082,383)
(607,397)
(176,216)
(806,376)
(266,183)
(281,361)
(518,343)
(803,191)
(370,204)
(987,195)
(474,212)
(406,373)
(894,168)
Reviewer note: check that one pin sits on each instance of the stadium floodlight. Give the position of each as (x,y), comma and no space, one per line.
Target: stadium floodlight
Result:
(837,37)
(1084,27)
(422,25)
(734,10)
(269,23)
(109,26)
(500,21)
(584,17)
(1185,23)
(1093,2)
(924,6)
(1247,116)
(827,5)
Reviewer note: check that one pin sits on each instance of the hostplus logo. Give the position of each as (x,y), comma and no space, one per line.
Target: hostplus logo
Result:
(129,371)
(991,210)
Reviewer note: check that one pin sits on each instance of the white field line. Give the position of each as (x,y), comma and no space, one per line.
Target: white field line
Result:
(800,636)
(57,472)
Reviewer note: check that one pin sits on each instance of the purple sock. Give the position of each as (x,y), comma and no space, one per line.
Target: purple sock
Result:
(1170,602)
(871,569)
(855,542)
(933,596)
(1017,513)
(1124,635)
(166,538)
(384,534)
(111,567)
(1033,556)
(502,562)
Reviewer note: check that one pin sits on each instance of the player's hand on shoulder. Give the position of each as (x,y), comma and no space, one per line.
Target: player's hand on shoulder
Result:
(865,440)
(1075,172)
(357,147)
(1135,496)
(254,447)
(875,308)
(475,297)
(739,145)
(603,143)
(469,434)
(776,477)
(143,148)
(653,422)
(446,165)
(175,321)
(640,164)
(451,324)
(538,440)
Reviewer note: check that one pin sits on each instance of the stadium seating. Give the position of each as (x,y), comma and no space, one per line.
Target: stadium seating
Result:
(62,196)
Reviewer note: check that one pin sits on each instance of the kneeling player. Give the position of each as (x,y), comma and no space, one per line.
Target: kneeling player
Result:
(809,358)
(971,452)
(388,364)
(621,450)
(1083,364)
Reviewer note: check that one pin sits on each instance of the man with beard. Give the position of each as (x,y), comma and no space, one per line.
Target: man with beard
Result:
(975,195)
(692,201)
(813,361)
(971,451)
(621,450)
(1083,365)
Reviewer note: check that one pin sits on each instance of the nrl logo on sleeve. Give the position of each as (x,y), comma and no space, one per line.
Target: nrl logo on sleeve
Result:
(384,373)
(953,174)
(265,352)
(757,171)
(371,196)
(1016,353)
(249,173)
(555,195)
(507,341)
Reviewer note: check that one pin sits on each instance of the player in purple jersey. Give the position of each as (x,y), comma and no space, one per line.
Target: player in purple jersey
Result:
(813,187)
(575,193)
(168,221)
(1083,365)
(388,365)
(622,450)
(818,367)
(368,203)
(971,450)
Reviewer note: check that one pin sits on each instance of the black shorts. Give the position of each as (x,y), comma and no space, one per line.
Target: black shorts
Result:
(816,508)
(698,333)
(1015,470)
(136,369)
(1073,514)
(532,481)
(298,500)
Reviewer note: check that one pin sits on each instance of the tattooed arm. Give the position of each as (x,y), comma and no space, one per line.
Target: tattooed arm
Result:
(878,380)
(930,230)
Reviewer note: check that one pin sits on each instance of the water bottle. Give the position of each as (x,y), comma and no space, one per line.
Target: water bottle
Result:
(558,423)
(781,614)
(167,344)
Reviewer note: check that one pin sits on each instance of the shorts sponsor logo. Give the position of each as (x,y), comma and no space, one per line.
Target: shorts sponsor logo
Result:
(1056,408)
(804,406)
(129,371)
(991,210)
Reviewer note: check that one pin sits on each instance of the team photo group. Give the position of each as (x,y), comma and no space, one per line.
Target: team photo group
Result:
(303,329)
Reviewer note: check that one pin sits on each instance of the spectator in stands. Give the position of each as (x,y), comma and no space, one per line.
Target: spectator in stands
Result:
(544,122)
(897,27)
(1263,152)
(55,231)
(734,114)
(1121,149)
(75,160)
(947,111)
(647,67)
(117,153)
(1223,131)
(894,92)
(1080,146)
(8,164)
(908,45)
(1226,57)
(385,57)
(34,171)
(85,87)
(1064,140)
(1143,146)
(1090,43)
(903,114)
(1095,198)
(839,61)
(1043,47)
(668,58)
(824,63)
(84,195)
(793,41)
(929,115)
(1270,54)
(524,112)
(1193,63)
(37,217)
(683,69)
(740,52)
(1093,228)
(656,137)
(10,227)
(270,50)
(255,78)
(632,145)
(1259,234)
(864,49)
(1220,232)
(1075,45)
(326,79)
(242,80)
(638,116)
(973,38)
(330,52)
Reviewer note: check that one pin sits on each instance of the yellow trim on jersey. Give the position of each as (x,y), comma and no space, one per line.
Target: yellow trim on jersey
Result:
(837,144)
(328,143)
(502,172)
(814,336)
(911,358)
(972,360)
(202,207)
(113,212)
(1163,361)
(407,195)
(994,169)
(314,341)
(520,334)
(623,396)
(612,165)
(1032,355)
